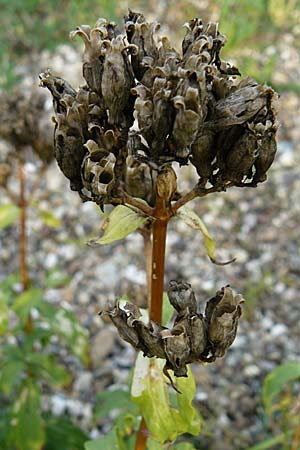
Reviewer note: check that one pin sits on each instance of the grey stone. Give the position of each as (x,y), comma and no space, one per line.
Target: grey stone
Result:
(101,345)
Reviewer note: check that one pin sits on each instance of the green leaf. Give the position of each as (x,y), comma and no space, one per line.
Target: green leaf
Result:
(187,415)
(277,379)
(109,441)
(120,222)
(10,375)
(118,399)
(270,443)
(184,446)
(45,367)
(49,219)
(26,301)
(65,325)
(4,315)
(8,214)
(167,310)
(61,434)
(150,391)
(153,445)
(124,427)
(4,426)
(194,221)
(27,427)
(47,310)
(55,278)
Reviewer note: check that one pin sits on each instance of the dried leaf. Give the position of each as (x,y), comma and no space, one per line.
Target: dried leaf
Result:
(194,221)
(120,222)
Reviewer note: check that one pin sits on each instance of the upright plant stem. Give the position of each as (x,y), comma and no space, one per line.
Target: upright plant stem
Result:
(23,239)
(158,269)
(159,234)
(146,233)
(142,436)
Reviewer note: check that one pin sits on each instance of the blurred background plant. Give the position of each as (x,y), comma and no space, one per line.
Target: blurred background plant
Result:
(254,28)
(263,39)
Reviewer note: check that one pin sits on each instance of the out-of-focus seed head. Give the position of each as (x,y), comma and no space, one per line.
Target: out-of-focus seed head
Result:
(5,173)
(25,121)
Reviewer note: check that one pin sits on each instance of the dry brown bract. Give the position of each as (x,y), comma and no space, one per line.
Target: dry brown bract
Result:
(193,337)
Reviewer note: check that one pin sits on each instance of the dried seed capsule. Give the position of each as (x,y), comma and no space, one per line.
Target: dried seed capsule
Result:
(98,172)
(140,179)
(267,148)
(176,345)
(119,318)
(203,153)
(222,314)
(166,183)
(241,157)
(117,79)
(182,297)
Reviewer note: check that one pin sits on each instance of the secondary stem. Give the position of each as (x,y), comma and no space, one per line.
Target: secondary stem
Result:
(23,239)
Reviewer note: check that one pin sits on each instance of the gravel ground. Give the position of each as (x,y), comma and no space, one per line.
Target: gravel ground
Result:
(257,226)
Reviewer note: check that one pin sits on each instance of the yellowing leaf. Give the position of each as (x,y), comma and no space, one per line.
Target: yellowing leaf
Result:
(150,391)
(194,221)
(120,222)
(8,214)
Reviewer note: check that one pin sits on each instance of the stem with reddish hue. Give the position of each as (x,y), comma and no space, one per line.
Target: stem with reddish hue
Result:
(158,268)
(142,436)
(296,438)
(159,234)
(23,239)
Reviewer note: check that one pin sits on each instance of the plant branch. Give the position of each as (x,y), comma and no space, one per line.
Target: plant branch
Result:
(197,191)
(126,198)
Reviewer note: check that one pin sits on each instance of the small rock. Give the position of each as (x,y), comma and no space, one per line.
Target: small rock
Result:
(101,345)
(278,330)
(251,371)
(83,382)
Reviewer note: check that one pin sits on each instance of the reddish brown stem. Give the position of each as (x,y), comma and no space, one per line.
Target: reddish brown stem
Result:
(142,436)
(159,234)
(158,268)
(296,438)
(23,239)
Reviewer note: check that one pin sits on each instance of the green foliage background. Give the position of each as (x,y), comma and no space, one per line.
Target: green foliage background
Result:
(30,26)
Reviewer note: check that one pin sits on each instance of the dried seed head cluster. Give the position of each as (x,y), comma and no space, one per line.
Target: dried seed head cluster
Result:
(24,122)
(146,105)
(193,337)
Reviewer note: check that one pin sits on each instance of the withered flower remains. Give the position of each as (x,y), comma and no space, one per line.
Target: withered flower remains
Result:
(193,337)
(145,105)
